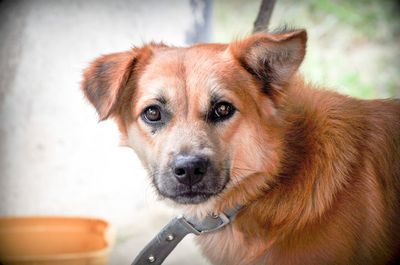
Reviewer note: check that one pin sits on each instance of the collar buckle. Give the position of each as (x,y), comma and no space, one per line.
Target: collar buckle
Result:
(188,225)
(224,221)
(217,221)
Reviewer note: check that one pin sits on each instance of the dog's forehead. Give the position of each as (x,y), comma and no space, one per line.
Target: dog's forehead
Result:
(181,73)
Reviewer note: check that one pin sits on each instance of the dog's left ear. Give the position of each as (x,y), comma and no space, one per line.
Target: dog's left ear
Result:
(271,58)
(105,79)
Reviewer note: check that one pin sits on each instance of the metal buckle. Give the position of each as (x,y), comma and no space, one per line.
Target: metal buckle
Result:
(188,225)
(222,217)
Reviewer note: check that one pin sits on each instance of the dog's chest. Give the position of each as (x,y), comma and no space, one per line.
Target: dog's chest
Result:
(229,246)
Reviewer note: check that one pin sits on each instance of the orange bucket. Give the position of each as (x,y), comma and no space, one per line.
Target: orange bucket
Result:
(55,241)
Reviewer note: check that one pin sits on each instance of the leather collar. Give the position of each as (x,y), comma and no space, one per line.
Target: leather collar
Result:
(158,249)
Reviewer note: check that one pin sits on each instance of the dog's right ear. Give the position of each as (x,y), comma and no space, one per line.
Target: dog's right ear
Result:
(106,78)
(271,58)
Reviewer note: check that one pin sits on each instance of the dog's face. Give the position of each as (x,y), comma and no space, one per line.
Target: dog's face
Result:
(185,110)
(195,115)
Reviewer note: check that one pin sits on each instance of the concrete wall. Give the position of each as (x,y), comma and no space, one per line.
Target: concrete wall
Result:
(55,159)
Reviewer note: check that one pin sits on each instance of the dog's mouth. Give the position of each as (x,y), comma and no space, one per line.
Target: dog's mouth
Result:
(189,196)
(192,197)
(168,184)
(196,194)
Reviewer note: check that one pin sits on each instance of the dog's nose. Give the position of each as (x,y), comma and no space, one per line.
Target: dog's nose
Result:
(189,169)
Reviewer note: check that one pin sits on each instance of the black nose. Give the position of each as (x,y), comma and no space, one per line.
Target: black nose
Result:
(189,169)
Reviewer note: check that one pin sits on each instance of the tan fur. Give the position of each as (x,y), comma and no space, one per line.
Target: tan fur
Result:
(318,172)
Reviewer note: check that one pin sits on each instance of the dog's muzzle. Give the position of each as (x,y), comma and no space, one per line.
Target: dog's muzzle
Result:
(190,178)
(190,169)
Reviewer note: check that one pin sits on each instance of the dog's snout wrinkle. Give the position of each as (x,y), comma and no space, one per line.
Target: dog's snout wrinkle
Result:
(190,169)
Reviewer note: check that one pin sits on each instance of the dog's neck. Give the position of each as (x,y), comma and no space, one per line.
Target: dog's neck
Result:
(314,126)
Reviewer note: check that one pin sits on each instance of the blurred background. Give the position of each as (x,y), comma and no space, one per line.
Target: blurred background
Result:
(56,159)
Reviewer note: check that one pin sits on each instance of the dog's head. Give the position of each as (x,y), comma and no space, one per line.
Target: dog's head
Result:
(203,118)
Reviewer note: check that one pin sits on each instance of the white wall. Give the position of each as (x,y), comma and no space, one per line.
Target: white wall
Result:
(55,159)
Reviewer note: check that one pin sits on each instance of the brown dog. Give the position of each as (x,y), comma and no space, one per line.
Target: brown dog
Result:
(219,125)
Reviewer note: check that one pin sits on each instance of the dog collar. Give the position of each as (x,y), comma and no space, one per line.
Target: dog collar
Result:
(158,249)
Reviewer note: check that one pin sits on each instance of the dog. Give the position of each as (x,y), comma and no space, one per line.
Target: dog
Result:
(219,125)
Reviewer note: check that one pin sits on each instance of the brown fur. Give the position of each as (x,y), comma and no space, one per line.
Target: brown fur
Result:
(318,172)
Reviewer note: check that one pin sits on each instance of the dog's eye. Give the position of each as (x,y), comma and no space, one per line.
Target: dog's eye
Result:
(221,111)
(152,114)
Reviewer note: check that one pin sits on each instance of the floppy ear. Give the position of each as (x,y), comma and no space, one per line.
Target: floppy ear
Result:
(271,58)
(105,79)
